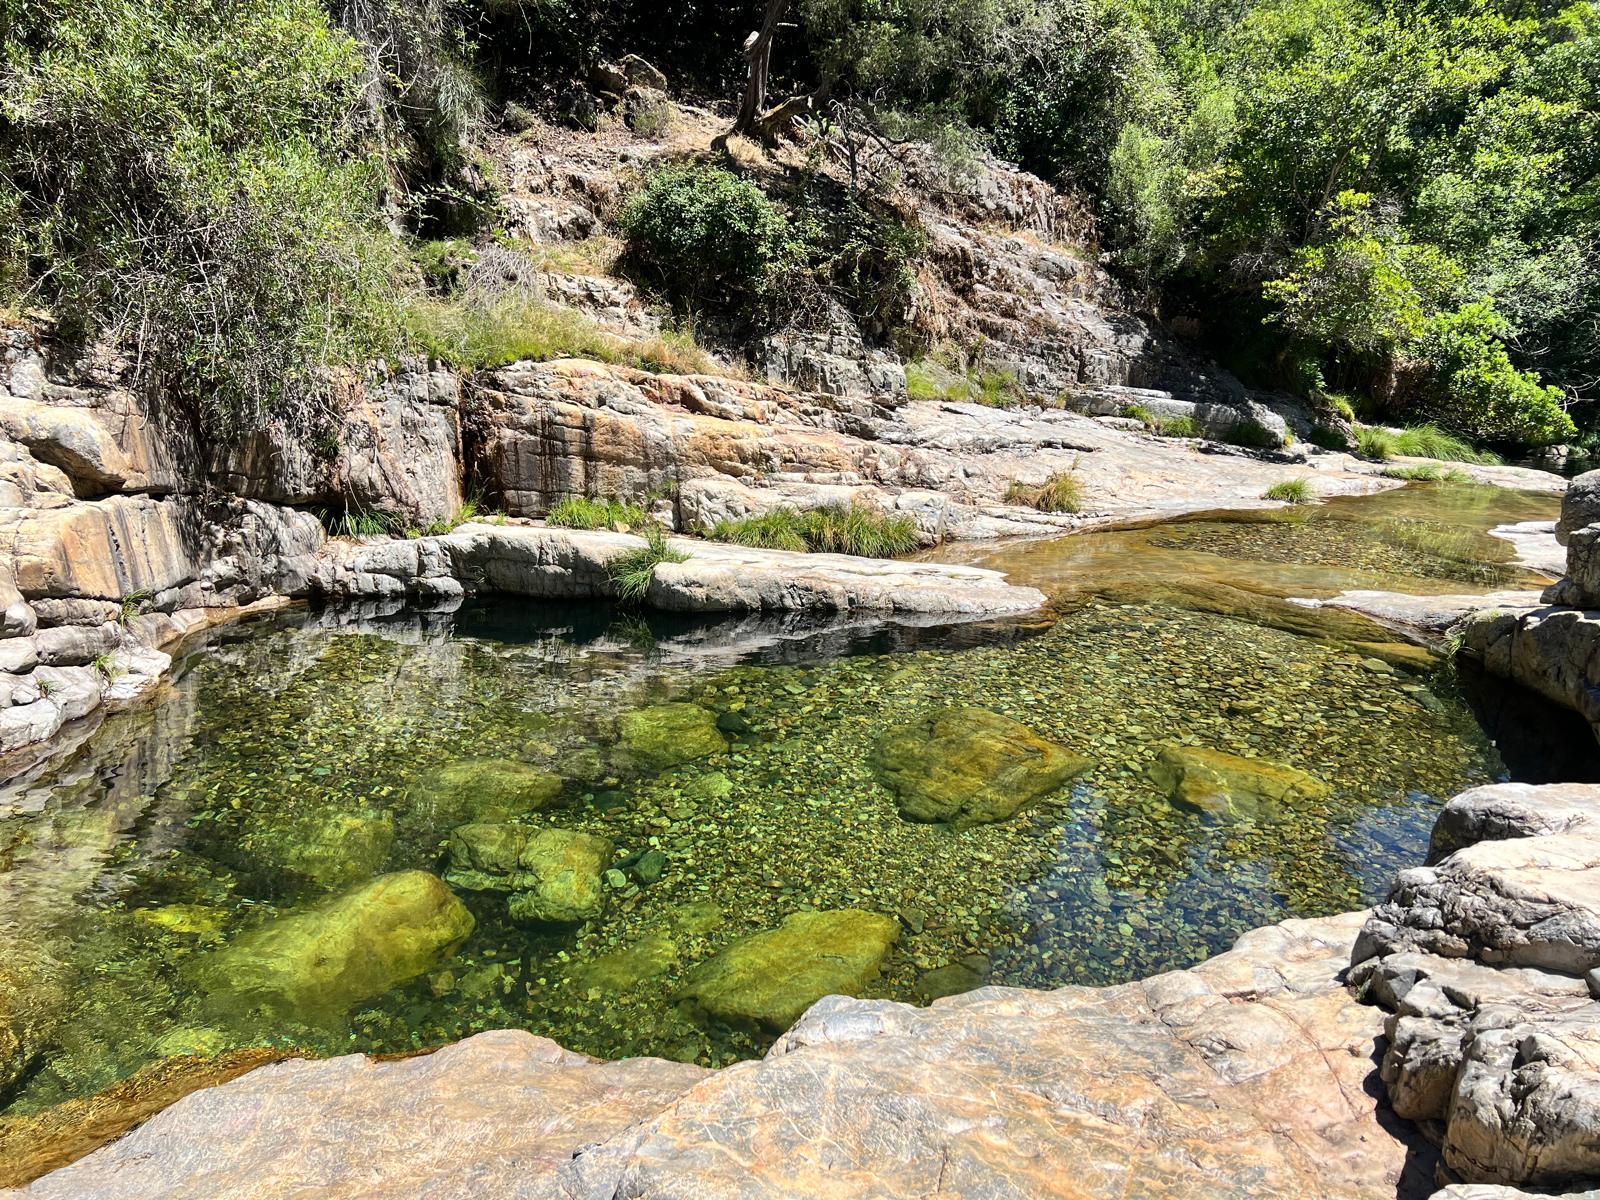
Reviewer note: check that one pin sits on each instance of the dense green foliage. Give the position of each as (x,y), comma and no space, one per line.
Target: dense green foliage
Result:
(185,174)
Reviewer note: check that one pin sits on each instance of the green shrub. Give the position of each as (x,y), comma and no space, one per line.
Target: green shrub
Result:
(1138,412)
(995,387)
(1291,491)
(1375,443)
(630,573)
(1177,427)
(705,236)
(1329,437)
(923,382)
(1341,406)
(1061,493)
(186,177)
(1252,434)
(580,512)
(1479,393)
(852,529)
(476,337)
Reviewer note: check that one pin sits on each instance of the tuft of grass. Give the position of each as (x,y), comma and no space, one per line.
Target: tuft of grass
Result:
(1291,491)
(580,512)
(1061,493)
(467,512)
(363,523)
(109,668)
(630,573)
(992,386)
(1419,441)
(1426,473)
(133,605)
(1138,412)
(1177,427)
(853,529)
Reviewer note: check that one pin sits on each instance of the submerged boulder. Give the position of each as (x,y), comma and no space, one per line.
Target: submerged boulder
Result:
(482,789)
(665,735)
(33,997)
(317,964)
(330,848)
(970,766)
(552,875)
(1211,781)
(767,980)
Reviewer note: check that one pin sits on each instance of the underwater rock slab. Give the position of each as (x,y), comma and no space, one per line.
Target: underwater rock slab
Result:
(768,979)
(1245,1077)
(553,875)
(320,962)
(970,766)
(1211,781)
(483,789)
(665,735)
(33,997)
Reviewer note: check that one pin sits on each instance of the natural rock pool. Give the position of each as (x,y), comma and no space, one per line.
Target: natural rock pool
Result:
(387,833)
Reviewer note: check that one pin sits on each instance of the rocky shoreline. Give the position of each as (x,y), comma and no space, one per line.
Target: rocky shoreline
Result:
(1469,994)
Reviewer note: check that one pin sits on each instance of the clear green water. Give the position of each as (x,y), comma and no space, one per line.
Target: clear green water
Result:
(214,798)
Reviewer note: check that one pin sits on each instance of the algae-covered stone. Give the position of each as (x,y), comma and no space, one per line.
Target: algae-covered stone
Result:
(666,735)
(317,964)
(198,921)
(553,875)
(768,979)
(624,969)
(33,998)
(1227,785)
(482,789)
(331,848)
(970,766)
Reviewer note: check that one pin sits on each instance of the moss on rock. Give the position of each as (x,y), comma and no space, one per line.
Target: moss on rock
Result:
(767,980)
(665,735)
(1211,781)
(482,789)
(552,875)
(970,766)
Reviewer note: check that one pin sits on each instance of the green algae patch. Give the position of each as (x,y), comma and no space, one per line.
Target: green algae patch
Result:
(482,789)
(332,849)
(316,965)
(767,980)
(198,921)
(1210,781)
(551,875)
(668,735)
(970,766)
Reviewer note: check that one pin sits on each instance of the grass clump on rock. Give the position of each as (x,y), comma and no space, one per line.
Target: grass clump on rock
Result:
(630,573)
(1421,441)
(1291,491)
(840,529)
(1061,493)
(580,512)
(1426,473)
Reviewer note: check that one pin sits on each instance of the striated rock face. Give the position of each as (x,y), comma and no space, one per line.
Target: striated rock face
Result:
(1481,962)
(1245,1077)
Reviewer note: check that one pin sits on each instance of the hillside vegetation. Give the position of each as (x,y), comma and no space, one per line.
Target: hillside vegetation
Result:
(1394,207)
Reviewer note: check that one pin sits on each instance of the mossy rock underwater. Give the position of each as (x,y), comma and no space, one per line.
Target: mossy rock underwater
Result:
(552,875)
(1210,781)
(970,766)
(767,980)
(481,789)
(667,735)
(313,966)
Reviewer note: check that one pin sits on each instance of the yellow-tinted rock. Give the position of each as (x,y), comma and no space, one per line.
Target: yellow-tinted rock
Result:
(768,979)
(317,964)
(553,875)
(665,735)
(1227,785)
(970,766)
(482,789)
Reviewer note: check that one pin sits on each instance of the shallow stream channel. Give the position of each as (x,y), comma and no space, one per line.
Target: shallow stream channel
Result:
(612,800)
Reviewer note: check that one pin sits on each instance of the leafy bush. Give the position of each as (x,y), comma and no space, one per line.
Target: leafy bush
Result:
(704,235)
(184,175)
(580,512)
(1138,412)
(630,573)
(1291,491)
(852,529)
(1479,393)
(1061,493)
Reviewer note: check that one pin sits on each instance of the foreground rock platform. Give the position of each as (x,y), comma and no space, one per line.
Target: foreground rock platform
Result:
(1251,1075)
